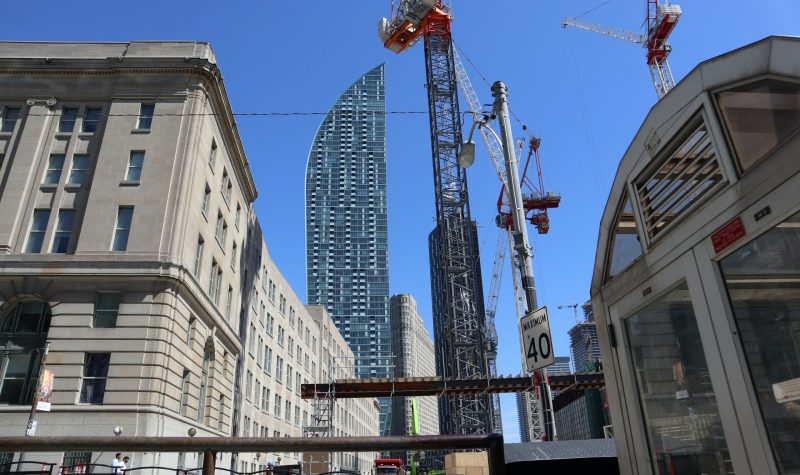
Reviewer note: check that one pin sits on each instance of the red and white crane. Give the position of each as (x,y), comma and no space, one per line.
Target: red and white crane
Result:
(661,20)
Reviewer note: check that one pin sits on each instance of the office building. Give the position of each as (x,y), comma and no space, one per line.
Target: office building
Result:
(581,414)
(346,224)
(695,284)
(128,242)
(414,357)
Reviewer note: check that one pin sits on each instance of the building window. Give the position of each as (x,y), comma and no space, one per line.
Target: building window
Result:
(276,408)
(216,280)
(76,462)
(248,385)
(675,387)
(287,413)
(234,255)
(54,166)
(66,220)
(761,281)
(206,200)
(90,119)
(279,369)
(191,332)
(229,302)
(264,398)
(23,328)
(66,123)
(198,256)
(759,117)
(625,246)
(80,164)
(106,309)
(95,373)
(122,228)
(201,399)
(38,228)
(9,119)
(238,212)
(135,164)
(221,230)
(183,400)
(268,359)
(212,156)
(226,186)
(145,116)
(221,417)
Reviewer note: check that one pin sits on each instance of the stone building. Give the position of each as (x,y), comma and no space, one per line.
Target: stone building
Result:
(128,242)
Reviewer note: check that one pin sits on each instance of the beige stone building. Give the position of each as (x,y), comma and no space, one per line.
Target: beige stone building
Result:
(128,241)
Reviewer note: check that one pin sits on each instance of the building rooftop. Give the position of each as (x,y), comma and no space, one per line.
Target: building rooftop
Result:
(93,50)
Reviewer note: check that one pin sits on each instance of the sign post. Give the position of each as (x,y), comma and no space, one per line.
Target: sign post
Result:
(537,344)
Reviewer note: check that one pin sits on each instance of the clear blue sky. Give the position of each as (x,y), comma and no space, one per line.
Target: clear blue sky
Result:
(584,94)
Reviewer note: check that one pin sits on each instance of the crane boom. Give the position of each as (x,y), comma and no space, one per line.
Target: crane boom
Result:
(612,31)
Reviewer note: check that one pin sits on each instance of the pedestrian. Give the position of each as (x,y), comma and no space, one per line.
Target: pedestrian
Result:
(116,463)
(125,461)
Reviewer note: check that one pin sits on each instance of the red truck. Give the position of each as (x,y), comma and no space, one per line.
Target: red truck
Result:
(389,467)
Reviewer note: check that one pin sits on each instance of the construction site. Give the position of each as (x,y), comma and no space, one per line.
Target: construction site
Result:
(686,360)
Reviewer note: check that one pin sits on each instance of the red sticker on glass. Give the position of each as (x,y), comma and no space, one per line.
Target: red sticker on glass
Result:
(728,234)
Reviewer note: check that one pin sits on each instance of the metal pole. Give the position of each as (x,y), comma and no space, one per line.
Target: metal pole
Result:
(209,462)
(520,233)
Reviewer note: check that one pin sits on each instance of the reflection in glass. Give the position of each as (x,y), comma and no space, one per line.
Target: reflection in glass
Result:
(763,280)
(625,241)
(678,403)
(760,115)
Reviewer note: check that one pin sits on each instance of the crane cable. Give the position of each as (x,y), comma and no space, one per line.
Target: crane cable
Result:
(592,9)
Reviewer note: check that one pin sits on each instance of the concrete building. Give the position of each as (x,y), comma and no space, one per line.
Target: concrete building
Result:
(414,356)
(346,224)
(695,284)
(581,414)
(128,241)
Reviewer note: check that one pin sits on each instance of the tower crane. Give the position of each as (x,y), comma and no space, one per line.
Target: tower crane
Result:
(661,20)
(462,354)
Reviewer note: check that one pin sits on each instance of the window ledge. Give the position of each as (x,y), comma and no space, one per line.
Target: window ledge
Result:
(129,183)
(72,186)
(140,131)
(6,134)
(63,135)
(48,186)
(85,135)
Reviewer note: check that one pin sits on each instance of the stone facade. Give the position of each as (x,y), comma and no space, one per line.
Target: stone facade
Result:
(126,214)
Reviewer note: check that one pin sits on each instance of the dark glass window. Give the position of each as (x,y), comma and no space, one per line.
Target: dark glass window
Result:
(106,309)
(9,119)
(95,373)
(78,173)
(146,116)
(23,335)
(135,164)
(67,121)
(54,166)
(122,228)
(90,119)
(38,228)
(759,116)
(763,281)
(66,221)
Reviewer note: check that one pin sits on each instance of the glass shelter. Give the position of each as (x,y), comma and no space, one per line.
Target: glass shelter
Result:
(696,285)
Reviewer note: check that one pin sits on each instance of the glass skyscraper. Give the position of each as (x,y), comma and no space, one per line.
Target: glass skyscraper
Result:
(346,228)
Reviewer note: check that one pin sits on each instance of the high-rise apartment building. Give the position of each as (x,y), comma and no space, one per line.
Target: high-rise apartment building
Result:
(414,356)
(129,242)
(346,224)
(584,344)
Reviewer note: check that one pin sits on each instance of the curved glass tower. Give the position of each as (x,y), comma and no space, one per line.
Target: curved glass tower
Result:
(346,229)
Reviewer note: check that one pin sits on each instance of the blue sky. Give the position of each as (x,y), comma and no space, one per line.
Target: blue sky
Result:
(583,94)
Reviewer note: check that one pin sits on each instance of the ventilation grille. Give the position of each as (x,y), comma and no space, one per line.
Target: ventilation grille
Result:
(688,174)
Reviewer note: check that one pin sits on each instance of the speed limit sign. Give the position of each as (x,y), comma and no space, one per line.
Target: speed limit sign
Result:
(537,345)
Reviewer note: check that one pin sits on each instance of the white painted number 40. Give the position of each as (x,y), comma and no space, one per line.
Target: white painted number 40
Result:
(534,329)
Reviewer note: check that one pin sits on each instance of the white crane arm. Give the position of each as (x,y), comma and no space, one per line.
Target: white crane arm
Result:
(612,31)
(493,147)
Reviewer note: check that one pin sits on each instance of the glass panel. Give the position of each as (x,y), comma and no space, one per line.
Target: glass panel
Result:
(105,311)
(78,172)
(124,217)
(67,122)
(54,167)
(76,462)
(94,377)
(66,219)
(38,228)
(146,116)
(678,403)
(135,165)
(29,315)
(763,281)
(625,241)
(759,116)
(9,119)
(90,119)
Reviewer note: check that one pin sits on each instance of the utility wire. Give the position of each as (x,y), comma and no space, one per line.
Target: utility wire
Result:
(592,9)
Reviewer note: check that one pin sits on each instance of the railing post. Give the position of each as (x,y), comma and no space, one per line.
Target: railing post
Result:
(209,461)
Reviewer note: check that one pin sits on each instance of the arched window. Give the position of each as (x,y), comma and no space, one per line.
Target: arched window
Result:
(23,334)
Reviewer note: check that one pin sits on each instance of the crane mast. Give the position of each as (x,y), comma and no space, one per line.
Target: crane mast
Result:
(661,20)
(462,353)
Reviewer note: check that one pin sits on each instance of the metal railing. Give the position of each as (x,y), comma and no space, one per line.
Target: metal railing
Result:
(210,446)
